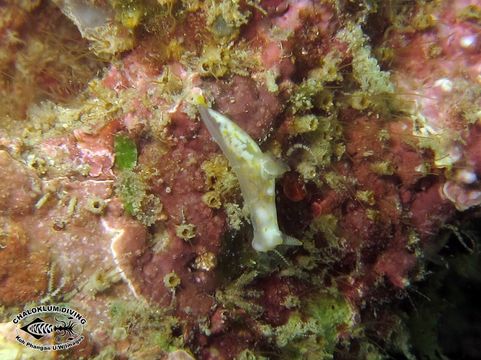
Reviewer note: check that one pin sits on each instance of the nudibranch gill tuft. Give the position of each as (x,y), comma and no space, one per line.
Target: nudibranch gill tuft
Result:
(256,172)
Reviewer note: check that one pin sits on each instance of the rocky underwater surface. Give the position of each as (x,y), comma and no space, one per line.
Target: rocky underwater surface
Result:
(349,131)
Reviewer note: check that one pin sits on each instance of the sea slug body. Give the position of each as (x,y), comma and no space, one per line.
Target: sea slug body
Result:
(256,172)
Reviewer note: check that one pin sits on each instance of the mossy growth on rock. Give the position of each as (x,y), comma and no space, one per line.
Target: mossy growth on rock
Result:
(151,327)
(365,68)
(132,189)
(323,145)
(312,93)
(314,332)
(237,296)
(221,60)
(131,186)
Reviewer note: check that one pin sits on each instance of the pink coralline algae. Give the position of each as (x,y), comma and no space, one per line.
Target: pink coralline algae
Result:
(116,200)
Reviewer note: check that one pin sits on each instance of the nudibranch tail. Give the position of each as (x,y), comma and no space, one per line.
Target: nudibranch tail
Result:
(256,172)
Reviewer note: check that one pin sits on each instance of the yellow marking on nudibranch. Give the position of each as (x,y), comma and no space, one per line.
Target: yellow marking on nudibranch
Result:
(256,172)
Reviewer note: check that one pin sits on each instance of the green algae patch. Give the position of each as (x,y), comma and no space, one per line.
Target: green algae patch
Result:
(315,334)
(304,124)
(322,146)
(326,225)
(125,152)
(366,197)
(383,168)
(236,294)
(154,327)
(132,189)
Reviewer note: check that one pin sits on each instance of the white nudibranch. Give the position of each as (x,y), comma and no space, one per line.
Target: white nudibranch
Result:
(256,172)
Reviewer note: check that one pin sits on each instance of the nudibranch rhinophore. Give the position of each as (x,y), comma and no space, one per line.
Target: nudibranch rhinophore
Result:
(256,172)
